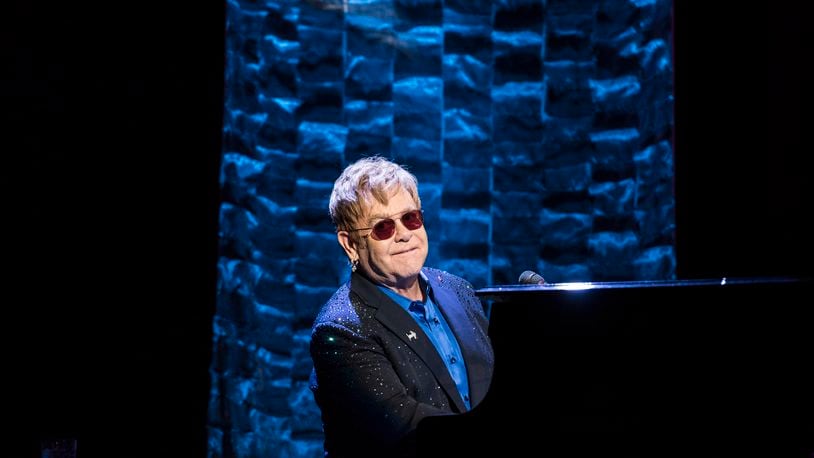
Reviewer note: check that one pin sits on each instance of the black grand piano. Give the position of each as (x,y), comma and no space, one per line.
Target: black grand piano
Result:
(690,368)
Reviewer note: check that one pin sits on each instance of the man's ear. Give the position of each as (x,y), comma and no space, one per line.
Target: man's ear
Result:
(348,244)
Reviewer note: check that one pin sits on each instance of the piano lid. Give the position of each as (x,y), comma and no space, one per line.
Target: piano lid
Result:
(513,291)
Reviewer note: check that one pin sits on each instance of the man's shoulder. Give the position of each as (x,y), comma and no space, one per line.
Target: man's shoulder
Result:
(446,279)
(344,308)
(439,274)
(337,308)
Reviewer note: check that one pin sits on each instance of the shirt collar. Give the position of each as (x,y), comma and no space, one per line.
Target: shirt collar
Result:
(404,302)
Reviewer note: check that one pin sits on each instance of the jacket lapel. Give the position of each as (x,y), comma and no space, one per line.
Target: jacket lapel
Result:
(400,323)
(477,367)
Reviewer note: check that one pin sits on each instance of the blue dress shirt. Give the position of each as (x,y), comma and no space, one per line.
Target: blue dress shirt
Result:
(432,322)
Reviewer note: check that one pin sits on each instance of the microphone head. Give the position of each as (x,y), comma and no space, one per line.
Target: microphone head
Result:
(531,278)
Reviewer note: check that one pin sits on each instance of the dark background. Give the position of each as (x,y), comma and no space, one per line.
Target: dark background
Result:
(111,131)
(111,124)
(742,103)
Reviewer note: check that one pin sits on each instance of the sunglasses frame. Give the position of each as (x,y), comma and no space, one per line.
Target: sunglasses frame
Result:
(419,214)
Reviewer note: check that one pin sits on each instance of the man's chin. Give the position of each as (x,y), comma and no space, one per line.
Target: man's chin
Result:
(407,274)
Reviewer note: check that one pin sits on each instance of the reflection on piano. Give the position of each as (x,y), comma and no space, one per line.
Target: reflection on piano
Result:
(659,368)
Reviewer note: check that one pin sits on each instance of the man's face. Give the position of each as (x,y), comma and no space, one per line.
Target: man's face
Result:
(397,260)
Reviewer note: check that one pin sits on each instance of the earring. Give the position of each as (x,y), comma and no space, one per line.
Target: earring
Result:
(354,264)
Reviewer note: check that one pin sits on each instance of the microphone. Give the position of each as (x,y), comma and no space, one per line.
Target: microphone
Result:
(531,278)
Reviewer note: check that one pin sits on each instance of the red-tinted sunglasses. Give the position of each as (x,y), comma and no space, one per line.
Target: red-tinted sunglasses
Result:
(385,228)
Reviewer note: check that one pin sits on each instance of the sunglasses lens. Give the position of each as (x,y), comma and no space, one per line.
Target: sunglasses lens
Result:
(384,229)
(412,220)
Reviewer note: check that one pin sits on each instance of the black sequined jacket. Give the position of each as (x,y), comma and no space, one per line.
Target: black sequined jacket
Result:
(376,374)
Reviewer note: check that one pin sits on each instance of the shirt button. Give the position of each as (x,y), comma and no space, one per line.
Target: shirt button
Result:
(453,360)
(466,398)
(436,320)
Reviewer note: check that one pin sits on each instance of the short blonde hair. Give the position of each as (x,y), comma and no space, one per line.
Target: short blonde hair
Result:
(363,181)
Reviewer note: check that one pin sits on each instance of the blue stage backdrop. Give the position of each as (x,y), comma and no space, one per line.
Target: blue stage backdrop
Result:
(540,132)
